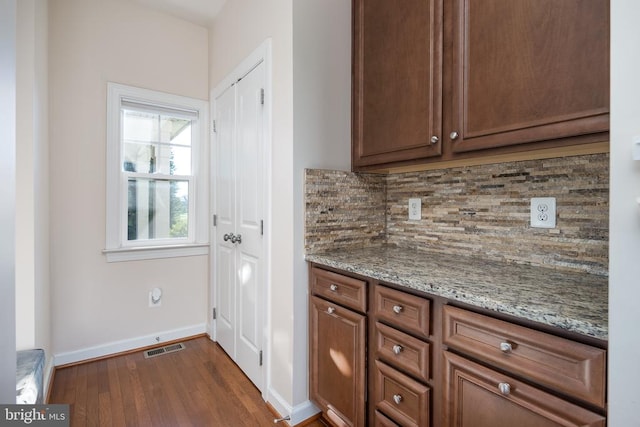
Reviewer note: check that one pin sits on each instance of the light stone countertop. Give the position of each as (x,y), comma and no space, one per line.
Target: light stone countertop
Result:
(576,302)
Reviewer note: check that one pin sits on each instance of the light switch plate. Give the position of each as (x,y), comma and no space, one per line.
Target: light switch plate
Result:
(415,209)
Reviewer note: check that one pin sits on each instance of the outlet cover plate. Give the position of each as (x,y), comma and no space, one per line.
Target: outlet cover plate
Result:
(415,209)
(543,212)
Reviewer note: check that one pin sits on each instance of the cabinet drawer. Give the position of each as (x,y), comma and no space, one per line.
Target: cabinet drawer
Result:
(405,311)
(481,397)
(579,370)
(382,421)
(403,351)
(340,289)
(401,398)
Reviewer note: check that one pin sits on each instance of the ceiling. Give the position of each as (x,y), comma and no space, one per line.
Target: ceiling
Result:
(200,12)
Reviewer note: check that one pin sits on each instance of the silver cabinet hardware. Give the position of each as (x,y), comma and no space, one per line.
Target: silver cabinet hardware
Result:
(434,139)
(397,309)
(453,135)
(506,347)
(397,398)
(333,287)
(226,237)
(397,349)
(331,310)
(504,388)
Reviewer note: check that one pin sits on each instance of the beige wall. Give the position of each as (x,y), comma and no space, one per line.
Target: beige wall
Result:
(92,42)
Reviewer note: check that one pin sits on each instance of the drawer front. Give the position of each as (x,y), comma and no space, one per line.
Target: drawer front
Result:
(403,351)
(401,398)
(579,370)
(405,311)
(481,397)
(382,421)
(340,289)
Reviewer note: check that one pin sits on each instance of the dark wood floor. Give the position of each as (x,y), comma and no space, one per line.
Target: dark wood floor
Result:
(197,386)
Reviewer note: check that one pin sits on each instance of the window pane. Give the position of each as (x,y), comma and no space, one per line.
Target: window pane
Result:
(157,209)
(156,143)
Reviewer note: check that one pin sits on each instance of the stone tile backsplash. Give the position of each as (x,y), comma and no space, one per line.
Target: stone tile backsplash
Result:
(478,211)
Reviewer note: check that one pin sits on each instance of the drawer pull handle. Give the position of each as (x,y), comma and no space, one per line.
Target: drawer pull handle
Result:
(333,287)
(397,309)
(331,310)
(506,347)
(397,398)
(397,349)
(505,388)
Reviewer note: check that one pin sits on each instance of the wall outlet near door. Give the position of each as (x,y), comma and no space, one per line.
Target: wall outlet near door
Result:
(543,212)
(415,209)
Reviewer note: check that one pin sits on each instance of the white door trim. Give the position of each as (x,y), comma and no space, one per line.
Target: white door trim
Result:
(261,54)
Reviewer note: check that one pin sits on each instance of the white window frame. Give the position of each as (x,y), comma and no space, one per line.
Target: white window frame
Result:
(118,248)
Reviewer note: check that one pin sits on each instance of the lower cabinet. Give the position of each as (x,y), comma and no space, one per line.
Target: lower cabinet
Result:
(337,362)
(380,356)
(478,396)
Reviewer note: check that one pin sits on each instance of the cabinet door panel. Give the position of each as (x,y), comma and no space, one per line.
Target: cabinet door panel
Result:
(397,87)
(337,359)
(527,71)
(475,399)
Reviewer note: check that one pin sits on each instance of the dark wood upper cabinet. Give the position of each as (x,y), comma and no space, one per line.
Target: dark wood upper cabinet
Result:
(436,80)
(527,71)
(397,89)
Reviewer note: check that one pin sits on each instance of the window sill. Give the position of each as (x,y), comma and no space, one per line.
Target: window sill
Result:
(155,252)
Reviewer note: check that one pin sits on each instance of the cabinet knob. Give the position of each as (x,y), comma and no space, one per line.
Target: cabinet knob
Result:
(397,398)
(506,347)
(505,388)
(397,309)
(333,287)
(453,135)
(331,310)
(397,349)
(434,139)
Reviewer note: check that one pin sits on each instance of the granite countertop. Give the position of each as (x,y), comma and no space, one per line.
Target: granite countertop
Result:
(575,302)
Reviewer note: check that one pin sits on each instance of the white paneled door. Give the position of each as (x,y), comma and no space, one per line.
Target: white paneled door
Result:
(238,264)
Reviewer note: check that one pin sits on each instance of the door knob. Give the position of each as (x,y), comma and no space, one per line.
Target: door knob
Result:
(227,237)
(236,239)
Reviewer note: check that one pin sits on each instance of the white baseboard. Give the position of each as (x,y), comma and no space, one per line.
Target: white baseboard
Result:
(126,345)
(297,414)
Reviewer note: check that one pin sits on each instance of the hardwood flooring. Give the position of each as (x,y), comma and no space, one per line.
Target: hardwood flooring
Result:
(197,386)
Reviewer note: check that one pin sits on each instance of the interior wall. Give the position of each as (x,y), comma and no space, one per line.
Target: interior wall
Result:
(92,42)
(321,130)
(624,228)
(237,31)
(32,180)
(311,128)
(7,195)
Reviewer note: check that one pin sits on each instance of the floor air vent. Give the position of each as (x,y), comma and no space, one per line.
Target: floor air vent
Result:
(163,350)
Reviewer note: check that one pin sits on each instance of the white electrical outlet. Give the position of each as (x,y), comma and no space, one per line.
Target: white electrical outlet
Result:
(543,212)
(415,209)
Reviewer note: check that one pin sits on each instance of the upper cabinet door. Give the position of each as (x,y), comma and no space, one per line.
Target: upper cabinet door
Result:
(528,71)
(397,81)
